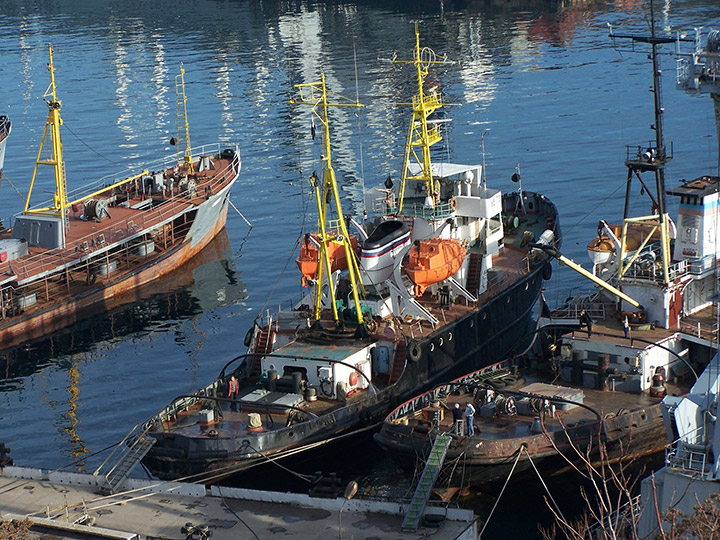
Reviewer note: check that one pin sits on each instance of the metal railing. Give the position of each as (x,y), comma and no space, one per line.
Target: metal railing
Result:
(114,233)
(685,459)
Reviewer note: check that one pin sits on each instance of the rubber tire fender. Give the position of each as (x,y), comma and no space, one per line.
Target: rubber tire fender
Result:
(547,271)
(414,351)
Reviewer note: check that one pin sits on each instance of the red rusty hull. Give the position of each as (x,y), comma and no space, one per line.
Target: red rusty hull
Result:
(73,309)
(484,461)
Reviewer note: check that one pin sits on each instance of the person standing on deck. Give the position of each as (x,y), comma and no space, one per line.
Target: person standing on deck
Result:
(469,417)
(458,420)
(626,327)
(233,389)
(587,321)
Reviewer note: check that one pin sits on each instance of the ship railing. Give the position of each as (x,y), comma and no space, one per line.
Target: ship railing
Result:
(425,400)
(649,272)
(163,164)
(270,315)
(115,233)
(508,276)
(382,205)
(689,460)
(700,329)
(596,309)
(107,182)
(646,152)
(700,266)
(93,257)
(625,515)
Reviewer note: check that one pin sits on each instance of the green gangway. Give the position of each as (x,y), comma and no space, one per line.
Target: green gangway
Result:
(427,480)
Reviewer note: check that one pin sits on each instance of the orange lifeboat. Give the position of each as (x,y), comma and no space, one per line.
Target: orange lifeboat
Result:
(433,260)
(602,247)
(307,261)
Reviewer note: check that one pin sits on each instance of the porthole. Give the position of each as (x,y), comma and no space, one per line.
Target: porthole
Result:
(440,342)
(472,322)
(484,315)
(449,336)
(527,286)
(291,434)
(432,347)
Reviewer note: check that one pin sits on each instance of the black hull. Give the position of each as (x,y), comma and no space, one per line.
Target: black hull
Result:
(482,338)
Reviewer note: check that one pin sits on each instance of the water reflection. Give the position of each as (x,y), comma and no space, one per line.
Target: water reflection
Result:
(209,281)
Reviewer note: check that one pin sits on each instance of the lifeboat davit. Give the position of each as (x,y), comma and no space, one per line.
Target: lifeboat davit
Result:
(433,260)
(307,261)
(602,247)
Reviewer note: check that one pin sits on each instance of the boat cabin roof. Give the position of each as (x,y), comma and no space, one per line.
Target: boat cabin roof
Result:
(700,187)
(320,351)
(444,170)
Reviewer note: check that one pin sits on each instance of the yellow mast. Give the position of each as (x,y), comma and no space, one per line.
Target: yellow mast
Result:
(315,95)
(419,134)
(182,121)
(55,159)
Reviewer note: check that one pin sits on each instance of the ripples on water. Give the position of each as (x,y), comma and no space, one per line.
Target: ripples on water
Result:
(542,77)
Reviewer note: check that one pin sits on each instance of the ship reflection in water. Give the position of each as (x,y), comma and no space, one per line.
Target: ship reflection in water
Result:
(136,321)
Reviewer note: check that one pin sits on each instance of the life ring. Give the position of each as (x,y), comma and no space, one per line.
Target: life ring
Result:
(414,351)
(248,337)
(453,204)
(547,272)
(371,325)
(212,433)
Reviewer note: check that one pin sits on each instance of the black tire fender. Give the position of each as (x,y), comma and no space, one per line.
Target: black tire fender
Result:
(547,271)
(414,351)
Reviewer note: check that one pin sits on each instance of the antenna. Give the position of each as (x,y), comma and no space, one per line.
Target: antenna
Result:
(649,158)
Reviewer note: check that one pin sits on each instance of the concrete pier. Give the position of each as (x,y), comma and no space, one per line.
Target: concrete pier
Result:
(71,505)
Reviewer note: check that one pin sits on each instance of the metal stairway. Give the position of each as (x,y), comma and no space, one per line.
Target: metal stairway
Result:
(132,457)
(430,473)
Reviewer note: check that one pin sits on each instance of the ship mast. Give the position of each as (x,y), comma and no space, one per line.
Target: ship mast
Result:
(316,95)
(55,157)
(649,159)
(182,124)
(698,72)
(420,136)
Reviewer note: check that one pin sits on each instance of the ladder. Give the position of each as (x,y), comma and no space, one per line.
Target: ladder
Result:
(404,302)
(427,481)
(132,457)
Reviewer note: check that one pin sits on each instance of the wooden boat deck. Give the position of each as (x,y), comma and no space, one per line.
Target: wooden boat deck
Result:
(504,427)
(508,267)
(85,237)
(233,423)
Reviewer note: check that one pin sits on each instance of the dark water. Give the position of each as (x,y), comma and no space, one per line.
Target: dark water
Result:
(541,76)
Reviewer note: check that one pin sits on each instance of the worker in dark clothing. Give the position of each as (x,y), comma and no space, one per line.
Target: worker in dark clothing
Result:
(587,321)
(458,418)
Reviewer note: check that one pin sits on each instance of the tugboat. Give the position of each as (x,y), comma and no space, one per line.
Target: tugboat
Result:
(368,337)
(649,331)
(553,417)
(64,257)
